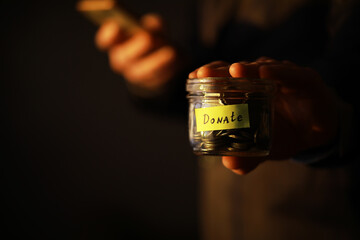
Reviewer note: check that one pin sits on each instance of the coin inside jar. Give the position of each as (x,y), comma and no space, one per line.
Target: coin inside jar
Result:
(212,140)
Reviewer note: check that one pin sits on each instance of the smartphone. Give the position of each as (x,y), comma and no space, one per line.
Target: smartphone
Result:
(99,11)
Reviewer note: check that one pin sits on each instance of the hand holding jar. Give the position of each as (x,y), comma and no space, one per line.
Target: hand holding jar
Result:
(305,116)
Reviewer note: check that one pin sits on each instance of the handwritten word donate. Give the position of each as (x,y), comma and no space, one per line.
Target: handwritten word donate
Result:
(224,120)
(222,117)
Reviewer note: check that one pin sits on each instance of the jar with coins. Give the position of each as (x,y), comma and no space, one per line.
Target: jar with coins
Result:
(230,116)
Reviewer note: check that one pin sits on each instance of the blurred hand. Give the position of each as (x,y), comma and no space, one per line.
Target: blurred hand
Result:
(145,58)
(305,112)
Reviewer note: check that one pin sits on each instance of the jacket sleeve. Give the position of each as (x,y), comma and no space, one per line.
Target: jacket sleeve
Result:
(339,68)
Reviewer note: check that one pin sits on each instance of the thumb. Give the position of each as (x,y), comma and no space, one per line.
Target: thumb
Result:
(241,165)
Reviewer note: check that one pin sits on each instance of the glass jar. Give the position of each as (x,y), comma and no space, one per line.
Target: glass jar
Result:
(230,116)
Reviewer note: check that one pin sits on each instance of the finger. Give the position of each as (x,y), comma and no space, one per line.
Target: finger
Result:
(129,51)
(265,60)
(214,69)
(108,34)
(152,70)
(244,70)
(239,165)
(213,72)
(152,22)
(193,74)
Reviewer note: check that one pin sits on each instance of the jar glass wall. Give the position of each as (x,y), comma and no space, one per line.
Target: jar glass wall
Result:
(230,116)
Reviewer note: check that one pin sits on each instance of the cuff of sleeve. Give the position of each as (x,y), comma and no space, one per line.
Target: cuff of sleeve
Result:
(335,153)
(317,155)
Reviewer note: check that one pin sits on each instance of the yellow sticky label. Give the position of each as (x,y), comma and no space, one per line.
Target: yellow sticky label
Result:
(222,117)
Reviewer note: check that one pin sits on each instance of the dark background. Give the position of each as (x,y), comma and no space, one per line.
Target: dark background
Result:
(79,160)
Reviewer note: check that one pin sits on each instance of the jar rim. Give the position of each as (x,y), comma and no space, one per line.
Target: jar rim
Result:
(211,84)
